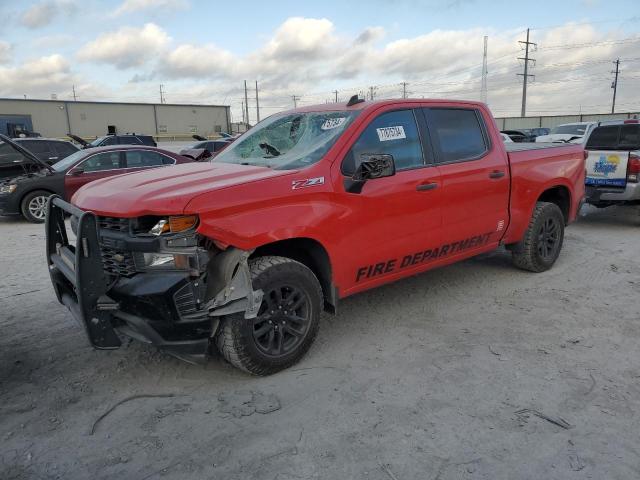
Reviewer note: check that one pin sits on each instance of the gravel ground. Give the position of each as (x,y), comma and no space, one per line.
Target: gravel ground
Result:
(474,371)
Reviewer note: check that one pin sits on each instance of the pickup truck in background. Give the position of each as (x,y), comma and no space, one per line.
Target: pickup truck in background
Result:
(305,209)
(613,164)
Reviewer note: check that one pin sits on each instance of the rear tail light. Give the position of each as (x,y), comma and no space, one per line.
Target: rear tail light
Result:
(633,168)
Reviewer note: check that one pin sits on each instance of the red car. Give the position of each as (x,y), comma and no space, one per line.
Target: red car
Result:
(308,207)
(27,194)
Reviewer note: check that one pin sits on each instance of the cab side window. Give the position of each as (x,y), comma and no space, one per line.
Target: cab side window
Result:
(101,161)
(458,134)
(394,133)
(144,158)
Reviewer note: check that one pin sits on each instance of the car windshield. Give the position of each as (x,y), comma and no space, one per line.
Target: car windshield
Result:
(288,141)
(69,161)
(569,129)
(97,141)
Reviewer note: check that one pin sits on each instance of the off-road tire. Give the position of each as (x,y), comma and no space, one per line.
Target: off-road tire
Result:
(26,202)
(527,255)
(235,338)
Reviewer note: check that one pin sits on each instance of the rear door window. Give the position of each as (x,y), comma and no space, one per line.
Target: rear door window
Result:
(394,133)
(629,137)
(458,134)
(604,138)
(145,158)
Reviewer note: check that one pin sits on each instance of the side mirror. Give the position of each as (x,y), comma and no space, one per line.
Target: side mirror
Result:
(372,166)
(76,171)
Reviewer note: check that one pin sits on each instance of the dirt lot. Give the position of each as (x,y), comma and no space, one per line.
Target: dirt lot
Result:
(475,371)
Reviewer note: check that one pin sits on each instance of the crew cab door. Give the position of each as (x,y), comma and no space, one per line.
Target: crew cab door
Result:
(475,178)
(100,165)
(391,221)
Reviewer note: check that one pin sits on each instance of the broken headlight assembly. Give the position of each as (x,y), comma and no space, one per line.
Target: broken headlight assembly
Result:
(174,224)
(10,188)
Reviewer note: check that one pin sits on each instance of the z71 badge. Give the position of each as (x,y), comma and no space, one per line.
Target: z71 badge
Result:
(307,182)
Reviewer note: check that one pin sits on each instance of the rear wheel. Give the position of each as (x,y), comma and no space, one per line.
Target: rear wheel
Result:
(543,239)
(34,206)
(287,321)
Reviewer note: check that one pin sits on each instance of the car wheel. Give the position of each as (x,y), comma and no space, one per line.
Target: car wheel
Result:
(34,206)
(543,239)
(287,321)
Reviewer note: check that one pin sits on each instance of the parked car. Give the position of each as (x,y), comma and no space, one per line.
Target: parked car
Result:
(310,206)
(613,164)
(27,195)
(128,139)
(211,146)
(505,138)
(526,134)
(569,132)
(48,150)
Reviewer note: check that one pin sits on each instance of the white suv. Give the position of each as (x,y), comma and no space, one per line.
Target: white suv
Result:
(569,133)
(613,164)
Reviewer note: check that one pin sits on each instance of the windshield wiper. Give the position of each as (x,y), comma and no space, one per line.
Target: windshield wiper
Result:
(270,149)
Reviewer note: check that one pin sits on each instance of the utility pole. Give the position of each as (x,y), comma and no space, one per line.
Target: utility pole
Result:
(483,87)
(243,117)
(257,104)
(404,89)
(525,76)
(73,88)
(614,85)
(336,94)
(161,94)
(372,92)
(246,103)
(295,99)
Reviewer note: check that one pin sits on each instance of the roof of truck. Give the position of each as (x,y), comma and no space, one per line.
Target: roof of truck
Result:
(367,104)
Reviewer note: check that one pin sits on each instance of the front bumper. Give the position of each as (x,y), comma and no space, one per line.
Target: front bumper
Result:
(597,194)
(175,311)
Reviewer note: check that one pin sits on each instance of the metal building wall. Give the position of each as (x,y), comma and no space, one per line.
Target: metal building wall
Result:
(514,123)
(53,118)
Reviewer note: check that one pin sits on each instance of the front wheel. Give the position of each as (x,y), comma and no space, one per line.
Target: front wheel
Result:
(542,241)
(34,206)
(287,321)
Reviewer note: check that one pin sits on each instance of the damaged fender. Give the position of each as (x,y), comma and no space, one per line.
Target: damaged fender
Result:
(229,287)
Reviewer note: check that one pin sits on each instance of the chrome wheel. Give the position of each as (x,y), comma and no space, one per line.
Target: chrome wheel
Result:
(38,207)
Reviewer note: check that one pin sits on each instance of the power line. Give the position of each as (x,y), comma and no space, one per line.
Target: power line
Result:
(525,76)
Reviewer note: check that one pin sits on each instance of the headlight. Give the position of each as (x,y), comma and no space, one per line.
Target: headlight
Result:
(172,261)
(174,224)
(8,188)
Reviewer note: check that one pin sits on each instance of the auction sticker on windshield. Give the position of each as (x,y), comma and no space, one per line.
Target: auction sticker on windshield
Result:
(607,168)
(331,123)
(391,133)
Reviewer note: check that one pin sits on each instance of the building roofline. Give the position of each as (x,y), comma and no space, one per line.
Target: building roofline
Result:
(112,103)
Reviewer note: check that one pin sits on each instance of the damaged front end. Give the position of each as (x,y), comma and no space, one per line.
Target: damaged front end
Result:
(153,279)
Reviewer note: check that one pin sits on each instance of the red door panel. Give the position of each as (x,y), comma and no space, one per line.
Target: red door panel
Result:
(100,165)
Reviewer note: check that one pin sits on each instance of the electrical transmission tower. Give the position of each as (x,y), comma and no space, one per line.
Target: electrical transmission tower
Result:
(525,76)
(295,99)
(483,87)
(614,84)
(404,89)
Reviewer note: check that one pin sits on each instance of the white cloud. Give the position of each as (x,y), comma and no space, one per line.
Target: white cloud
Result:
(41,76)
(127,47)
(130,6)
(43,13)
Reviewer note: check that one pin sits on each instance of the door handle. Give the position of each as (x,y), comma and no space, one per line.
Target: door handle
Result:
(496,174)
(423,187)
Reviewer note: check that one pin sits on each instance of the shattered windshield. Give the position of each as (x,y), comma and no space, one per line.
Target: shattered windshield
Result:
(288,141)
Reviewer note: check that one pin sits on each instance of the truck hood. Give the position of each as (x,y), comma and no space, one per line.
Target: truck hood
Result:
(166,190)
(560,137)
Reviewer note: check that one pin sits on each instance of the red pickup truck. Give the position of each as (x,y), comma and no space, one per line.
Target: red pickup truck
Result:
(310,206)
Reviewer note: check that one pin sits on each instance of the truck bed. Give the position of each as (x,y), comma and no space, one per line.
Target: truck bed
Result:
(519,147)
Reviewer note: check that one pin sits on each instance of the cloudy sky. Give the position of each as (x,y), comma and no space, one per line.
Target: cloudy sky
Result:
(201,52)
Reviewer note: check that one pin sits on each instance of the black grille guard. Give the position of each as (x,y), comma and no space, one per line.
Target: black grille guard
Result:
(77,272)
